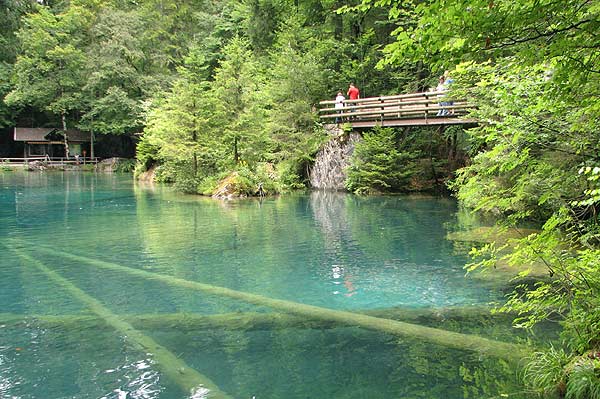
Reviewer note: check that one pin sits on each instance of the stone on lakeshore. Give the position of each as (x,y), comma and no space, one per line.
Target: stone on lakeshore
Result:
(110,165)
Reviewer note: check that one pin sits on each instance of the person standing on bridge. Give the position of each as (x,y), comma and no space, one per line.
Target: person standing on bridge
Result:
(339,104)
(447,82)
(353,94)
(441,87)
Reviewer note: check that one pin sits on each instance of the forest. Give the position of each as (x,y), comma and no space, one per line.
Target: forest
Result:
(210,90)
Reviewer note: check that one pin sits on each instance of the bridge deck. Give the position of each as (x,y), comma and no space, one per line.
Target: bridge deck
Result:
(432,121)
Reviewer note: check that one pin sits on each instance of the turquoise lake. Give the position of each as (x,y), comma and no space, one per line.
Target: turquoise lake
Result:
(68,243)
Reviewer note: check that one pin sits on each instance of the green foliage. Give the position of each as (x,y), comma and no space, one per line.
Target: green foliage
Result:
(445,33)
(243,182)
(210,84)
(117,73)
(528,167)
(584,380)
(539,129)
(297,81)
(378,165)
(91,167)
(49,73)
(177,131)
(239,105)
(146,154)
(125,166)
(591,194)
(261,20)
(290,175)
(256,108)
(246,183)
(186,183)
(545,372)
(10,15)
(168,172)
(97,63)
(209,184)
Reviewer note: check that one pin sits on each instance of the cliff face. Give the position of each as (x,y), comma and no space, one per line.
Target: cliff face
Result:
(329,170)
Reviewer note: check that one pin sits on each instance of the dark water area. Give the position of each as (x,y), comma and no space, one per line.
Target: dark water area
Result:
(75,318)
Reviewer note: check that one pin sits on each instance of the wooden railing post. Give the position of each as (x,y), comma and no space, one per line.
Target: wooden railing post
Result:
(399,101)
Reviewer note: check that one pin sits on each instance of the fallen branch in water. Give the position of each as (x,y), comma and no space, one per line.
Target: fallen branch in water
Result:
(170,365)
(445,338)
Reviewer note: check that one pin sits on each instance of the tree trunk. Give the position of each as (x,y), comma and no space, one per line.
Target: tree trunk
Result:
(92,155)
(236,155)
(171,365)
(195,155)
(246,321)
(92,140)
(64,125)
(195,139)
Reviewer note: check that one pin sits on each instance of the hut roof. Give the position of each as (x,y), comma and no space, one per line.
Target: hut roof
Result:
(48,134)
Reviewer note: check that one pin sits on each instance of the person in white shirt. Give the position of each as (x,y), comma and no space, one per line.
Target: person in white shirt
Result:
(339,105)
(441,87)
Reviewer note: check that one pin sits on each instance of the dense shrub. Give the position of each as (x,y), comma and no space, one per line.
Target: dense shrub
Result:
(125,166)
(245,182)
(378,165)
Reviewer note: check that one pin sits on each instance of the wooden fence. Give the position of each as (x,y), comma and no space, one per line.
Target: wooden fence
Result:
(50,161)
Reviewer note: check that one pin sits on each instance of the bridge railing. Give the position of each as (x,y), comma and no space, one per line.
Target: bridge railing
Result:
(404,106)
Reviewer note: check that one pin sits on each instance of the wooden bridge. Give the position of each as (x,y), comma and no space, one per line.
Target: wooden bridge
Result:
(416,109)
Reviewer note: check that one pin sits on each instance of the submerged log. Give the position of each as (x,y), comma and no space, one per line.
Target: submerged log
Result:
(486,234)
(445,338)
(171,321)
(170,365)
(236,321)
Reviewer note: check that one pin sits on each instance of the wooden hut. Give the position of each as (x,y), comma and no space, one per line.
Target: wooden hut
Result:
(41,142)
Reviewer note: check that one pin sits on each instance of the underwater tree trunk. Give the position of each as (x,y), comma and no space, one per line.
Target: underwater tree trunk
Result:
(445,338)
(247,321)
(170,365)
(182,322)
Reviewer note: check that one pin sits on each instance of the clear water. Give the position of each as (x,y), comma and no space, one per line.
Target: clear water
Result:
(325,249)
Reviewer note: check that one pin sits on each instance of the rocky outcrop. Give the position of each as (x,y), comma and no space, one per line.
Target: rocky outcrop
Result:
(329,170)
(36,166)
(229,188)
(148,176)
(333,130)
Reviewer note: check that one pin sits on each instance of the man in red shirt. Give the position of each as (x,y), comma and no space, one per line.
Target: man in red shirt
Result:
(353,92)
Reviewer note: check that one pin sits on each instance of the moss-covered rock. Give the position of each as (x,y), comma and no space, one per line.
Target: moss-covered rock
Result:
(245,182)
